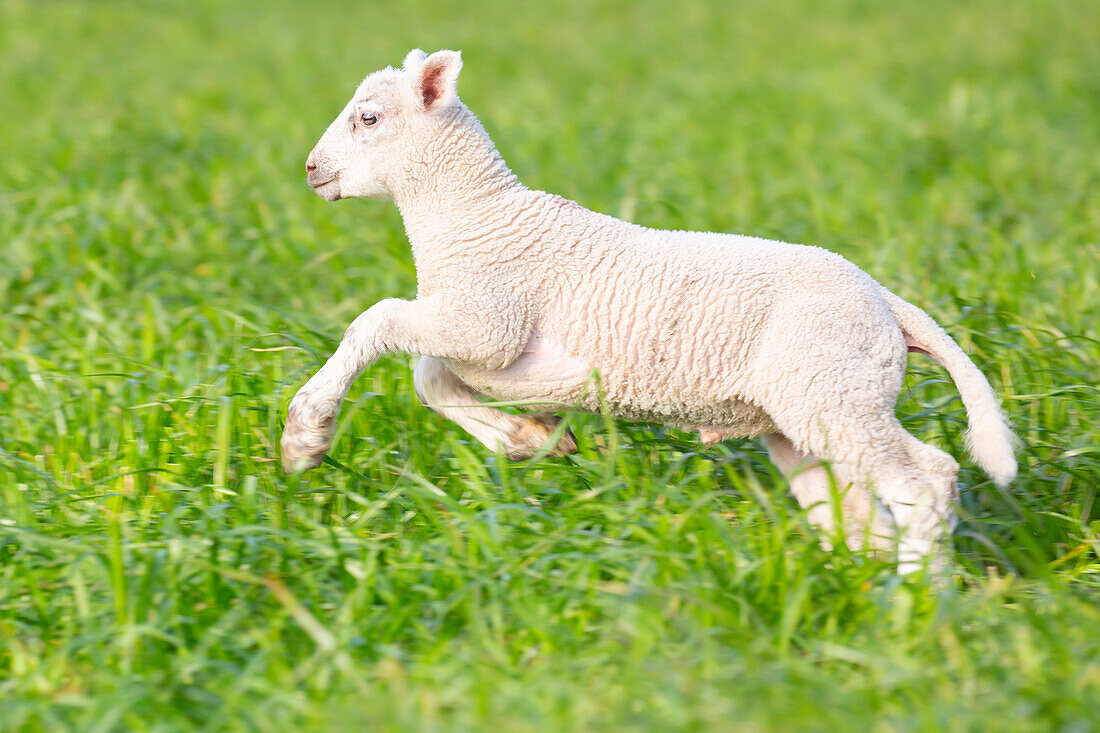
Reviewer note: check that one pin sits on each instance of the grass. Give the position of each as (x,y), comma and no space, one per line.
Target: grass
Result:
(168,282)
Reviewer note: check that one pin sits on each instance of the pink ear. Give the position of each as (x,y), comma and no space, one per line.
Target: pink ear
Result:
(438,77)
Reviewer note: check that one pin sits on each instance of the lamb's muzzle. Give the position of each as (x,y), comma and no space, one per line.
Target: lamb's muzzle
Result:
(525,296)
(321,178)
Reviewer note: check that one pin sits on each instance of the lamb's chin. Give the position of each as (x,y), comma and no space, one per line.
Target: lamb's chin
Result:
(328,191)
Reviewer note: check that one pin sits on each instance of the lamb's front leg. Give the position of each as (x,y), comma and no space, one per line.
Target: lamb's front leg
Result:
(518,436)
(432,327)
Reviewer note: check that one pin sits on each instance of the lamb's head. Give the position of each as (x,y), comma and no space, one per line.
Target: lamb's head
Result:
(385,127)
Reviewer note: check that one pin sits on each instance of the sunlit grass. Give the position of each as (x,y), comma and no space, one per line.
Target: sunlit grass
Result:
(168,282)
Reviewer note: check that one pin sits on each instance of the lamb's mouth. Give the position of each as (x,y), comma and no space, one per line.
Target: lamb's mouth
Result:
(326,189)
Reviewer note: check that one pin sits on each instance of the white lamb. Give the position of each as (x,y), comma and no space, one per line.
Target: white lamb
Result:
(523,295)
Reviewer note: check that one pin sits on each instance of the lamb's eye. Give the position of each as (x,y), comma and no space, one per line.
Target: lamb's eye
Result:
(368,119)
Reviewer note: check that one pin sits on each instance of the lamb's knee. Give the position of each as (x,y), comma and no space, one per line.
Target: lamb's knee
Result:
(931,459)
(307,435)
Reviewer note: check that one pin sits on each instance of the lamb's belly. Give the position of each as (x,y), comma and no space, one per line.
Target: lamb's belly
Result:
(546,375)
(730,418)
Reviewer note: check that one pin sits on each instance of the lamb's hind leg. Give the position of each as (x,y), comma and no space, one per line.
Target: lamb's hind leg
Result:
(867,523)
(518,436)
(924,501)
(914,481)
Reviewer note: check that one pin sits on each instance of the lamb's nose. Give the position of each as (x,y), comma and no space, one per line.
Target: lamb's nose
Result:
(310,166)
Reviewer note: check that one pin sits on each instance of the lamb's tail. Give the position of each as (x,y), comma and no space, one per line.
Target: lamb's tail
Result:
(989,438)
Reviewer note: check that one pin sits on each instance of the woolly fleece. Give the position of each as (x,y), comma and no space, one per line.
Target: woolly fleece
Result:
(524,295)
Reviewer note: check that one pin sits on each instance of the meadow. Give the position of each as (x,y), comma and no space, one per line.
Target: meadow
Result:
(167,282)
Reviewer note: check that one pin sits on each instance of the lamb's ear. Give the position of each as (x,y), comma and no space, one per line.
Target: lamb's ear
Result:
(414,59)
(436,82)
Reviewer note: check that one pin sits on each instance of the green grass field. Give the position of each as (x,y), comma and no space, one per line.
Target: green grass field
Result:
(167,281)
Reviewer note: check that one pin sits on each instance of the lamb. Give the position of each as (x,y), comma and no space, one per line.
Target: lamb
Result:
(523,295)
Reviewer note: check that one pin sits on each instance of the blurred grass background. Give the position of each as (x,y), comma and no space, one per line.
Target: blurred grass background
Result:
(167,281)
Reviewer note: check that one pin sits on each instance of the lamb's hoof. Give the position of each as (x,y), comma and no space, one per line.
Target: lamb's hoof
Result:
(305,442)
(708,436)
(532,434)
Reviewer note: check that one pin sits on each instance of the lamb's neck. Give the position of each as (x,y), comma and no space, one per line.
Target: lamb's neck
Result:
(461,182)
(449,205)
